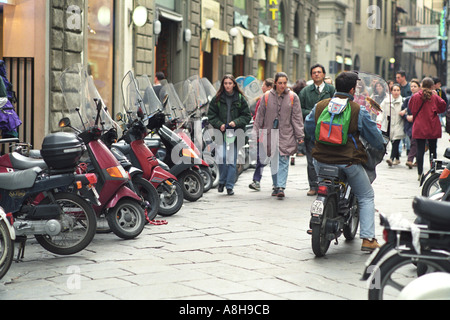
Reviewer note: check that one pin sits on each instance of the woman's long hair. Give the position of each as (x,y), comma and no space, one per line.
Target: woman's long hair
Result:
(427,88)
(222,87)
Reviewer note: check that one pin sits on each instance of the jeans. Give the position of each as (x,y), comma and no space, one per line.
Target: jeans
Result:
(257,175)
(226,160)
(312,175)
(362,188)
(279,168)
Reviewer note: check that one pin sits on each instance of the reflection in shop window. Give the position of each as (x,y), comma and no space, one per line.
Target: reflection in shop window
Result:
(100,46)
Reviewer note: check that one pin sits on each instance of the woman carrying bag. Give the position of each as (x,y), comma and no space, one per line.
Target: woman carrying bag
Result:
(228,111)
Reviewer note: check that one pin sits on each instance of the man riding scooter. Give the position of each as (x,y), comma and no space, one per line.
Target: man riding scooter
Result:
(350,156)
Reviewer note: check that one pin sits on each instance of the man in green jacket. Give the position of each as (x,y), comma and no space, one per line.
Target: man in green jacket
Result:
(309,96)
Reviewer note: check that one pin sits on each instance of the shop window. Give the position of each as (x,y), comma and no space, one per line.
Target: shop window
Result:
(101,46)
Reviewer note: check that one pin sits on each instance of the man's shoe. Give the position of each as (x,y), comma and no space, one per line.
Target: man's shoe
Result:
(220,188)
(292,161)
(275,192)
(389,162)
(369,245)
(396,161)
(409,164)
(280,193)
(230,192)
(311,193)
(255,185)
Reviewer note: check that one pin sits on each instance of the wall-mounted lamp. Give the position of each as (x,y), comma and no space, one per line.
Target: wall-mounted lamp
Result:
(187,35)
(139,16)
(234,32)
(157,27)
(209,24)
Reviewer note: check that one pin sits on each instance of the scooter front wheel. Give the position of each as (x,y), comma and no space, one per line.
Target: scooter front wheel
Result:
(192,185)
(170,202)
(6,249)
(148,192)
(126,219)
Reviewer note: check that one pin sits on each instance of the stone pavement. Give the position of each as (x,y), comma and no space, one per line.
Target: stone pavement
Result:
(249,246)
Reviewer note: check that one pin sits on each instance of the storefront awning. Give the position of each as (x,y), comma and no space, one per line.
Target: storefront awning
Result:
(272,49)
(239,46)
(217,34)
(170,15)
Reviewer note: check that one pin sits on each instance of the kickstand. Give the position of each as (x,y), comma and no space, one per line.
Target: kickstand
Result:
(21,240)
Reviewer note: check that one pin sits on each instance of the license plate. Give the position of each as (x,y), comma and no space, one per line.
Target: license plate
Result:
(317,207)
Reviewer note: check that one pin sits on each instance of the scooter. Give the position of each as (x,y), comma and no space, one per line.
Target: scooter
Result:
(176,153)
(429,181)
(422,247)
(135,150)
(122,207)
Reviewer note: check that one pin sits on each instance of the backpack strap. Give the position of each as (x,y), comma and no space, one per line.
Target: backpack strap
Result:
(291,96)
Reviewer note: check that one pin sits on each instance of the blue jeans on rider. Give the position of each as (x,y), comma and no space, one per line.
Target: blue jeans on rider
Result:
(226,160)
(362,188)
(279,167)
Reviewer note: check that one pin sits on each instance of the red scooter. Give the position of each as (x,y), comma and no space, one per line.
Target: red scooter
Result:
(122,207)
(166,184)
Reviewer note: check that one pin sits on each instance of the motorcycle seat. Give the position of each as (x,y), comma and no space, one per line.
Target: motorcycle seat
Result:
(153,143)
(19,179)
(124,148)
(331,172)
(436,212)
(20,162)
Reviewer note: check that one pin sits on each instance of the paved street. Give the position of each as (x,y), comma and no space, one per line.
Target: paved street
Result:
(249,246)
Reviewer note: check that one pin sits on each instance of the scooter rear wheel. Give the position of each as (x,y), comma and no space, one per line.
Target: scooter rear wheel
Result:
(78,222)
(127,219)
(319,241)
(205,172)
(170,203)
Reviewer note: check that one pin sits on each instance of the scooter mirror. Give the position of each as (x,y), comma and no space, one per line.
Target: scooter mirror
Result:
(64,123)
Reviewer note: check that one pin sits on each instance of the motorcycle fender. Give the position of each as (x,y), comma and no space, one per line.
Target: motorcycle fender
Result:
(123,192)
(159,175)
(134,171)
(11,231)
(378,256)
(424,176)
(179,168)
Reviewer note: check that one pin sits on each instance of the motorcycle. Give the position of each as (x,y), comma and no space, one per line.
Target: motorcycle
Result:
(120,205)
(7,237)
(135,150)
(335,210)
(169,147)
(432,286)
(410,249)
(430,180)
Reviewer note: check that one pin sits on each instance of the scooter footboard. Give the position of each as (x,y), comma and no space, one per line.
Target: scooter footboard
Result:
(123,192)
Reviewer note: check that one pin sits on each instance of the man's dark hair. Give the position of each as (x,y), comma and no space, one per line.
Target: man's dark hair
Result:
(436,80)
(317,65)
(346,81)
(160,75)
(402,73)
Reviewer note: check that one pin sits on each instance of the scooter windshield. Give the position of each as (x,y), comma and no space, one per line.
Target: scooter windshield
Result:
(253,92)
(149,98)
(174,107)
(372,92)
(133,102)
(81,97)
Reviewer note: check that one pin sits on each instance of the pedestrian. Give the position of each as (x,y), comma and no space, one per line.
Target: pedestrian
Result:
(405,89)
(396,132)
(437,87)
(309,96)
(425,107)
(351,156)
(159,76)
(228,111)
(257,175)
(407,120)
(279,119)
(297,87)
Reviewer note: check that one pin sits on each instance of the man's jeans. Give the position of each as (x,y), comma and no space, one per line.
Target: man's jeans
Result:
(361,187)
(279,167)
(226,160)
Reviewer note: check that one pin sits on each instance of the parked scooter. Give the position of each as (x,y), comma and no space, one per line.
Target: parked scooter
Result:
(122,207)
(174,151)
(430,180)
(135,150)
(422,248)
